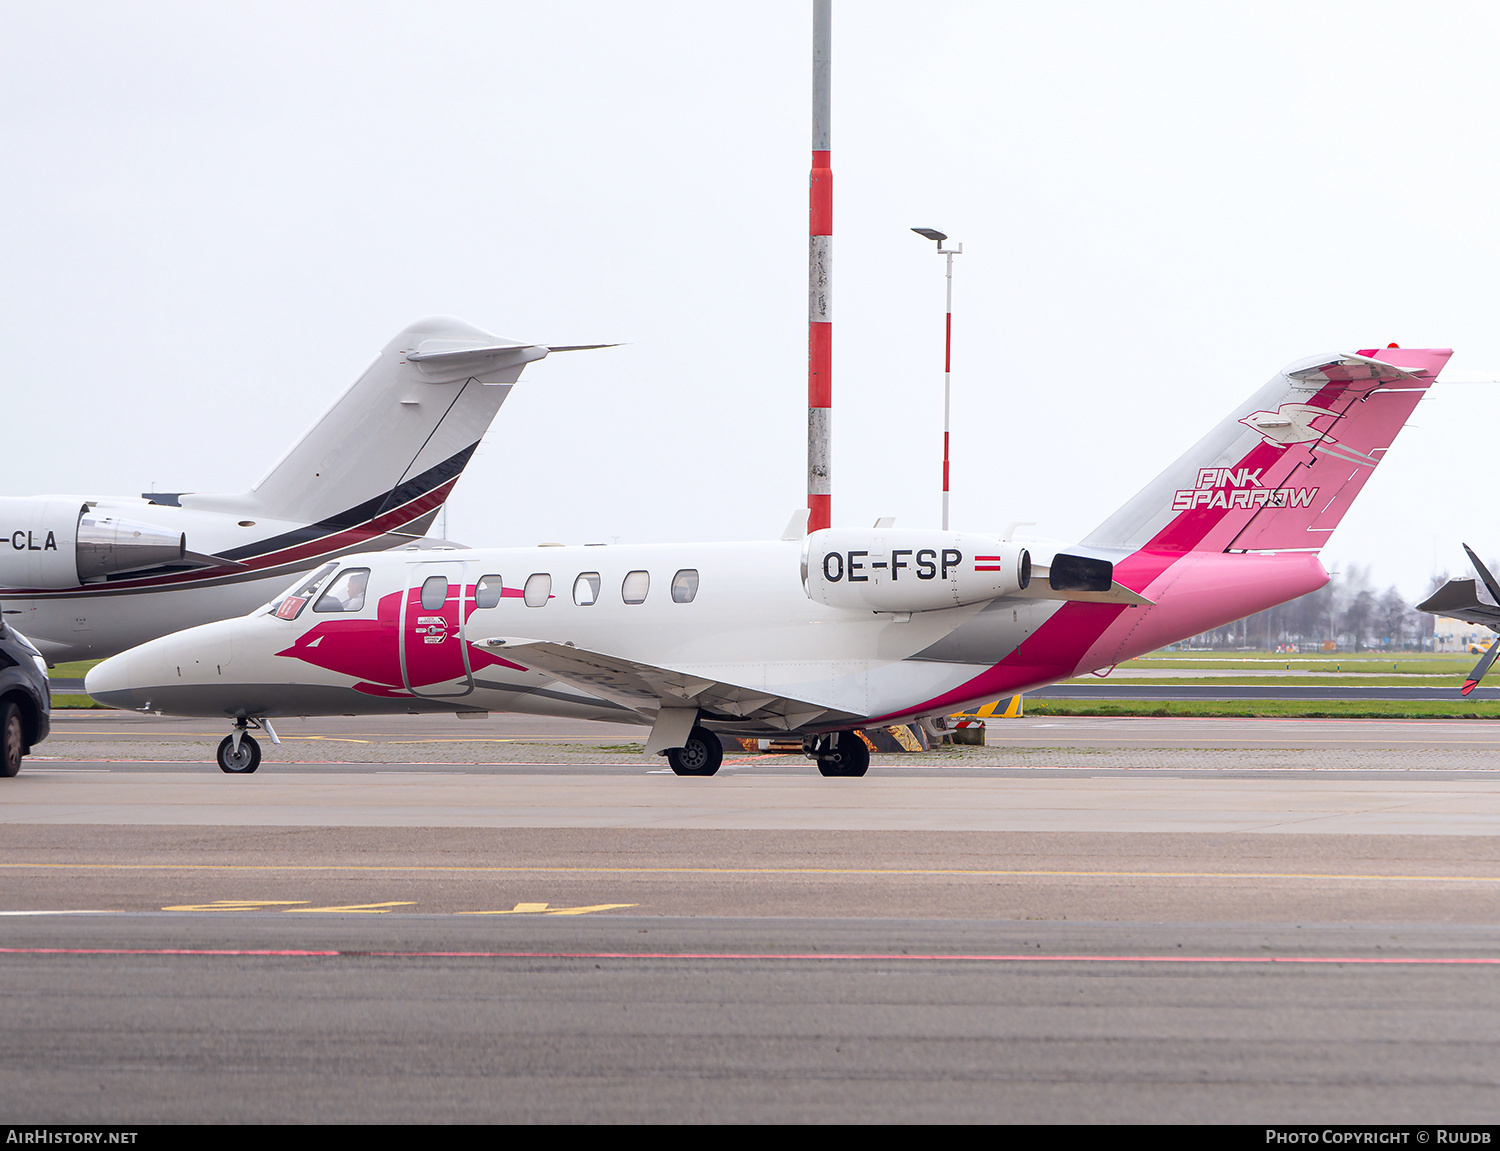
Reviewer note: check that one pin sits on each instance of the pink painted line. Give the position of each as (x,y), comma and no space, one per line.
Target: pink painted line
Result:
(156,951)
(822,955)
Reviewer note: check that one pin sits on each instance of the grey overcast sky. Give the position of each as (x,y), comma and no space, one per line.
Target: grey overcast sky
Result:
(215,214)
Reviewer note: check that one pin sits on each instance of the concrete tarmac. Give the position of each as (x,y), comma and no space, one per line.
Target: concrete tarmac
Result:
(431,919)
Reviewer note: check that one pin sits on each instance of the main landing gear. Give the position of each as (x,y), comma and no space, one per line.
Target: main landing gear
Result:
(839,753)
(700,755)
(239,752)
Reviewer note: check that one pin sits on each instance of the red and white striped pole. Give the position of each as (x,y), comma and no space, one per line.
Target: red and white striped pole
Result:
(820,284)
(934,234)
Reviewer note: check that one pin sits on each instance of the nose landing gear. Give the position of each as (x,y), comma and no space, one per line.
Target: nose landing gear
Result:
(839,753)
(239,751)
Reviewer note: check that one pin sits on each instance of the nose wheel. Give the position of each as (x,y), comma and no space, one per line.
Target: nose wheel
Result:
(239,754)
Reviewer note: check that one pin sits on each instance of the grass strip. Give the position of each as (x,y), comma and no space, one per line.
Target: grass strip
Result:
(1272,708)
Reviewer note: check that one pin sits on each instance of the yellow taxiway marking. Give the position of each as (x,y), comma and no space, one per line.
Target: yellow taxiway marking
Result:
(548,909)
(418,869)
(290,905)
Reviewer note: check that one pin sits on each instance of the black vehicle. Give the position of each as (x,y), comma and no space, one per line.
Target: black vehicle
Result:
(25,698)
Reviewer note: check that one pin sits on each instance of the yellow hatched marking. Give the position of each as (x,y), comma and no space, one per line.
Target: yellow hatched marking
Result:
(366,908)
(235,905)
(548,909)
(1014,709)
(518,909)
(904,737)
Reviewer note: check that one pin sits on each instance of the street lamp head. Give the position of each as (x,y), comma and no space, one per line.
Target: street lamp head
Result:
(931,234)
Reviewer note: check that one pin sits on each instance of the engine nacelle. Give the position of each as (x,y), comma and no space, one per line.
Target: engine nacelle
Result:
(61,542)
(884,569)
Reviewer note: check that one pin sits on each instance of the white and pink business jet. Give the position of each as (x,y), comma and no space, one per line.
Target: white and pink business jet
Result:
(813,635)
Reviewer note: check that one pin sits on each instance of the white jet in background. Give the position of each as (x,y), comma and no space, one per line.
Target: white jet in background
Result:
(86,576)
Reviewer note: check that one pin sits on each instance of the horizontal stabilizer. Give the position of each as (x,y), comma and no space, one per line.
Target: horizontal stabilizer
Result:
(1352,366)
(645,688)
(463,351)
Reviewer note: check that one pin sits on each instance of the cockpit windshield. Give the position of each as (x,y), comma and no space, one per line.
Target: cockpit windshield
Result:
(289,604)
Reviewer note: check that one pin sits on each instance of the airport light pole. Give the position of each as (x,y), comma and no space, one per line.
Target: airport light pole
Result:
(938,237)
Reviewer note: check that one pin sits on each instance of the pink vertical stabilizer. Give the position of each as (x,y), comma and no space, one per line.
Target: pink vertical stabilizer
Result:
(1280,472)
(1232,527)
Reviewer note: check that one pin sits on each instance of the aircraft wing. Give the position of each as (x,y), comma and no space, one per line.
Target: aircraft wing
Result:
(648,689)
(1459,599)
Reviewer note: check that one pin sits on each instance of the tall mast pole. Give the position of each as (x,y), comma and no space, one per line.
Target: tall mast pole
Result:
(947,382)
(820,283)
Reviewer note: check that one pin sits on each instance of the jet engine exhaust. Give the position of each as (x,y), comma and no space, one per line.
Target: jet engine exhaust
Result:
(107,544)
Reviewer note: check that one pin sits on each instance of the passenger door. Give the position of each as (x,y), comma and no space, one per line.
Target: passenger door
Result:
(434,653)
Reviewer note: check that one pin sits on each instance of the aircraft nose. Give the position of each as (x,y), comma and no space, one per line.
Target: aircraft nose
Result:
(169,674)
(110,682)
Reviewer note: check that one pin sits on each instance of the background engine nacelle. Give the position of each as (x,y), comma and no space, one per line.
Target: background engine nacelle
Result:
(883,569)
(61,542)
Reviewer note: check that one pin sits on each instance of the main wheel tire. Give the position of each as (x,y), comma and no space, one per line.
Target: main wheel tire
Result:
(245,762)
(849,757)
(701,755)
(12,739)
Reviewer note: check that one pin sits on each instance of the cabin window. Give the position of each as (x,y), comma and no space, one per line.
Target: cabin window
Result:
(636,587)
(538,589)
(434,592)
(488,590)
(347,593)
(586,589)
(685,585)
(289,605)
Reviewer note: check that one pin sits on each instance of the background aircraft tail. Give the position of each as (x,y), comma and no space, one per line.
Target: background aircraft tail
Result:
(1280,472)
(390,449)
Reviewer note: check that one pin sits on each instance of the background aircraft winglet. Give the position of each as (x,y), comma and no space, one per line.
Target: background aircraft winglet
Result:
(1460,600)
